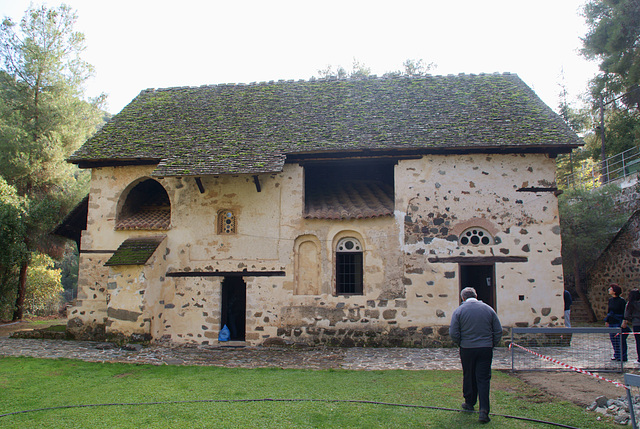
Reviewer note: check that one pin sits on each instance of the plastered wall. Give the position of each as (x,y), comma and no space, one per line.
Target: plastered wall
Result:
(411,274)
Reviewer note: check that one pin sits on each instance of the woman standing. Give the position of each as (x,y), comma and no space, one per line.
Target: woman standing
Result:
(614,319)
(632,316)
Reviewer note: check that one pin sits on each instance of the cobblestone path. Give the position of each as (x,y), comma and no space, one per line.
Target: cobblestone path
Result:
(249,357)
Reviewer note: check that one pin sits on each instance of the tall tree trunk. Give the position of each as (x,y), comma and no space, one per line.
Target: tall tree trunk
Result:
(36,112)
(581,290)
(22,292)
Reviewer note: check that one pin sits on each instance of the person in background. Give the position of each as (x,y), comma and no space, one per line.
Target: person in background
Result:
(614,319)
(632,316)
(475,328)
(567,308)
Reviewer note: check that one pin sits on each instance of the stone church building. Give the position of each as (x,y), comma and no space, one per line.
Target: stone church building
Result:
(344,212)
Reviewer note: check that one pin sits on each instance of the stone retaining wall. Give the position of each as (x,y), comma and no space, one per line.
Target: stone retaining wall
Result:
(619,262)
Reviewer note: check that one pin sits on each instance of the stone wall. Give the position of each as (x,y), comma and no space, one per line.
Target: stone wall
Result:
(443,196)
(619,263)
(412,261)
(628,199)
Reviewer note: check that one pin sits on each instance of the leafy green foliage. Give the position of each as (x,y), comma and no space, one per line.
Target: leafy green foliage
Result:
(612,39)
(69,267)
(411,67)
(44,289)
(358,69)
(43,119)
(588,221)
(622,132)
(13,228)
(39,383)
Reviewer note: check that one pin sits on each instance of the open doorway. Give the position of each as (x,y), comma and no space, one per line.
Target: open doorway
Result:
(482,279)
(234,305)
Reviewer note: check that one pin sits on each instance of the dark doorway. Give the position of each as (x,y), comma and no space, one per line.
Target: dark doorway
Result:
(234,305)
(481,278)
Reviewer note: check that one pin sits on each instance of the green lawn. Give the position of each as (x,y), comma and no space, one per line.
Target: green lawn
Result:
(28,383)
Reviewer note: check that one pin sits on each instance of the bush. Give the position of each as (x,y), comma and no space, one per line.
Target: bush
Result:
(44,289)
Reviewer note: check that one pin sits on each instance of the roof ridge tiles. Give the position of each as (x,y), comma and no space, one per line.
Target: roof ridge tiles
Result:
(325,79)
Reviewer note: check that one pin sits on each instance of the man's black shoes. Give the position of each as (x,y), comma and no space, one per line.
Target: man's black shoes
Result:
(483,417)
(466,407)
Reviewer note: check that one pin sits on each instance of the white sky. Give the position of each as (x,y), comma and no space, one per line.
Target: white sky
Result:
(139,44)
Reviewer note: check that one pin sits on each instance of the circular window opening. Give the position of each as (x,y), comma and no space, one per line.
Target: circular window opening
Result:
(476,237)
(226,222)
(349,245)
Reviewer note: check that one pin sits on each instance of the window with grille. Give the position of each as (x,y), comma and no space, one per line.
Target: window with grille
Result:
(475,237)
(349,267)
(226,222)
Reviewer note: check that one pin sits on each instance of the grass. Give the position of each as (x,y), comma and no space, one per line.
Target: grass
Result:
(56,328)
(39,323)
(29,383)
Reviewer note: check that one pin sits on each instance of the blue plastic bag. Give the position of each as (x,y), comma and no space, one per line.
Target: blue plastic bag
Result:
(224,334)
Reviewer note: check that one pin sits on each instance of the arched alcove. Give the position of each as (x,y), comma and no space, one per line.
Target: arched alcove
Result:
(144,206)
(307,254)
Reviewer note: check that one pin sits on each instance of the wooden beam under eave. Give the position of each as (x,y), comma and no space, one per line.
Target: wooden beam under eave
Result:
(200,186)
(478,259)
(537,190)
(256,180)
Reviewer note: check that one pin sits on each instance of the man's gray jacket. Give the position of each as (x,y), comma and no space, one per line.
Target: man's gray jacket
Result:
(474,324)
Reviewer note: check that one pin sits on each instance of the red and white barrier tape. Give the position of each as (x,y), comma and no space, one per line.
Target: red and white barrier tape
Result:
(568,366)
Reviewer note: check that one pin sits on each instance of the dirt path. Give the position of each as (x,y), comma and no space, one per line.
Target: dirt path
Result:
(26,325)
(578,388)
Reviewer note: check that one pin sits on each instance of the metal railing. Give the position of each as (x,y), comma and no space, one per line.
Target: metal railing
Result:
(588,349)
(617,167)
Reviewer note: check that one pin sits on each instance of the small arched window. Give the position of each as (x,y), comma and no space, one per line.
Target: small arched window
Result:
(226,222)
(476,237)
(349,267)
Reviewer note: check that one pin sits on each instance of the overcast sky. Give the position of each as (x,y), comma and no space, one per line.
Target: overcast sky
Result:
(139,44)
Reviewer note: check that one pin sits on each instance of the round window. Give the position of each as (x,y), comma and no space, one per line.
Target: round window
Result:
(349,245)
(475,237)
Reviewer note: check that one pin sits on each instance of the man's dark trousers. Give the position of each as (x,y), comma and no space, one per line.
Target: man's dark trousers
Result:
(476,375)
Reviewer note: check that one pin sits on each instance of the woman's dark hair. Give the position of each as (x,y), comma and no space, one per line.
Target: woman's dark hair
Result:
(634,295)
(617,290)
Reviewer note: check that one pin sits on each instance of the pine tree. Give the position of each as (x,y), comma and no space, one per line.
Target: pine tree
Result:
(43,119)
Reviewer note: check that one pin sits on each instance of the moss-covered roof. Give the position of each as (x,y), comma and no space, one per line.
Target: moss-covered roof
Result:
(226,129)
(135,251)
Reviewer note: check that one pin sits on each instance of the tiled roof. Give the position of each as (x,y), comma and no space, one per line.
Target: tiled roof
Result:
(155,218)
(135,251)
(227,129)
(74,223)
(354,200)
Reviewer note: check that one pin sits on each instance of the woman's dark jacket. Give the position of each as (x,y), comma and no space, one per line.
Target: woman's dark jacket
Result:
(632,313)
(615,314)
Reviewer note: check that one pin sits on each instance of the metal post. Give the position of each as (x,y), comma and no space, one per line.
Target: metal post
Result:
(631,412)
(603,152)
(512,362)
(629,381)
(620,350)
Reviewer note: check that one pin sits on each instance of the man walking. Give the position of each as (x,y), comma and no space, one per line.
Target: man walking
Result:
(475,328)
